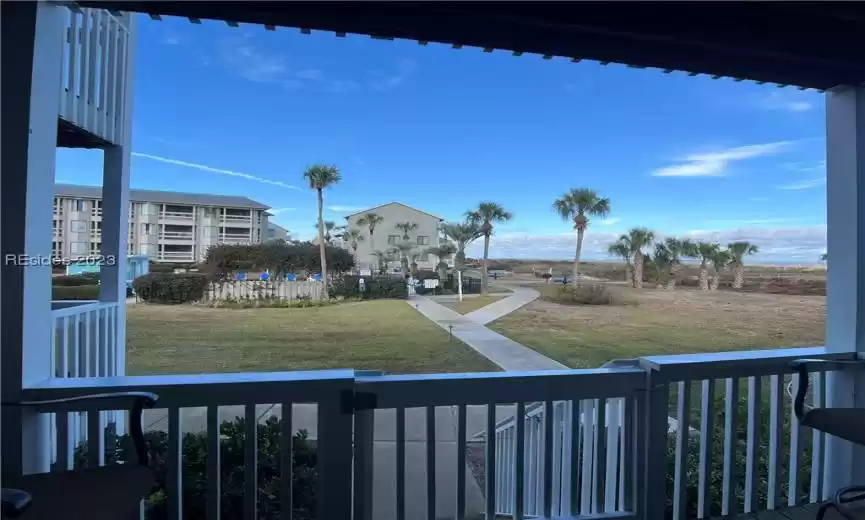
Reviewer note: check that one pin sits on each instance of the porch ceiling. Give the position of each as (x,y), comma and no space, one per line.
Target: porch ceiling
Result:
(807,44)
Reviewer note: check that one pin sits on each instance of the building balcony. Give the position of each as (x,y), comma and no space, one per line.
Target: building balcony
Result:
(232,220)
(234,238)
(176,256)
(176,215)
(565,443)
(93,86)
(184,236)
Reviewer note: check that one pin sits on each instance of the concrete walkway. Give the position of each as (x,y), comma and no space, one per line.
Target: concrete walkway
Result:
(504,352)
(519,297)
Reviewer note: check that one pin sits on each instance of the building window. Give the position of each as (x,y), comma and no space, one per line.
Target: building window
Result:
(95,228)
(95,248)
(258,235)
(77,248)
(96,211)
(58,206)
(422,240)
(424,257)
(79,205)
(57,249)
(57,227)
(392,256)
(394,239)
(77,226)
(146,230)
(131,210)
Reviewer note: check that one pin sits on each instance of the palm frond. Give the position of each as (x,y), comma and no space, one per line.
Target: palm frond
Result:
(321,176)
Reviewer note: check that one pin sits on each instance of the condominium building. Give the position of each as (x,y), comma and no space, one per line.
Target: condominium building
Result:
(166,226)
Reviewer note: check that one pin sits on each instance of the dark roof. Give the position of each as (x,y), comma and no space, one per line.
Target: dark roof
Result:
(164,197)
(808,44)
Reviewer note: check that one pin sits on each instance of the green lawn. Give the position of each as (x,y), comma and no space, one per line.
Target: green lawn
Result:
(471,304)
(385,335)
(678,322)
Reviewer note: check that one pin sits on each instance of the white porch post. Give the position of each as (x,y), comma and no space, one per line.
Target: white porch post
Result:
(33,32)
(115,213)
(845,326)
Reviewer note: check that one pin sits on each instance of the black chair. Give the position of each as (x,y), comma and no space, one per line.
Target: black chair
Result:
(844,423)
(109,492)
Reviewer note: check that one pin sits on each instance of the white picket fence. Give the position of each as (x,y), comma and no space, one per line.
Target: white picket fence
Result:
(262,290)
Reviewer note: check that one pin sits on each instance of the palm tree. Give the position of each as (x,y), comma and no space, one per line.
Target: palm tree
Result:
(720,260)
(660,262)
(353,236)
(622,249)
(678,249)
(706,251)
(484,216)
(380,256)
(329,229)
(462,234)
(442,251)
(370,220)
(414,256)
(574,206)
(638,238)
(319,177)
(403,249)
(405,227)
(740,250)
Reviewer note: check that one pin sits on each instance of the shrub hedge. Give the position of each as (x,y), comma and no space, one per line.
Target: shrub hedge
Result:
(75,292)
(170,288)
(585,294)
(76,280)
(348,286)
(279,258)
(194,446)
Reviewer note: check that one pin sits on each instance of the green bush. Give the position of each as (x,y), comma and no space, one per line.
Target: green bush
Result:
(194,472)
(75,292)
(585,294)
(266,303)
(376,287)
(279,258)
(76,280)
(170,288)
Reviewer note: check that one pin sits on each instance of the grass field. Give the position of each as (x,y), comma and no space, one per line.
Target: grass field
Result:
(676,322)
(471,304)
(385,335)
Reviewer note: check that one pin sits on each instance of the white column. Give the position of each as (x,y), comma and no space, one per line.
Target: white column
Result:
(115,212)
(845,326)
(32,109)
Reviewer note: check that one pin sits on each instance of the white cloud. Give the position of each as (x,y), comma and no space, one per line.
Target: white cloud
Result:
(277,211)
(787,101)
(211,169)
(609,221)
(776,244)
(344,209)
(745,222)
(714,164)
(804,184)
(171,40)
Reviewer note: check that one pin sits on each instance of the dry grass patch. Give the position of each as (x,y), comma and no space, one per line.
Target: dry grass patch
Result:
(385,335)
(675,322)
(471,304)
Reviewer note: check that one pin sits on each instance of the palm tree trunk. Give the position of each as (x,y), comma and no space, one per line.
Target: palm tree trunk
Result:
(716,280)
(371,240)
(484,287)
(674,272)
(738,276)
(321,246)
(576,273)
(637,282)
(704,277)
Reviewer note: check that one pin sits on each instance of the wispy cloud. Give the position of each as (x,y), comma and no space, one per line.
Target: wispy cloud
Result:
(750,222)
(787,101)
(277,211)
(211,169)
(385,81)
(714,164)
(609,221)
(344,209)
(804,185)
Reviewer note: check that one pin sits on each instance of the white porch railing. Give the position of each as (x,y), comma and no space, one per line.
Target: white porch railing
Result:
(182,256)
(554,461)
(177,215)
(237,218)
(176,235)
(84,343)
(93,87)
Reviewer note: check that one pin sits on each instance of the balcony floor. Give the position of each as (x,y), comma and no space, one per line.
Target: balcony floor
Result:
(807,512)
(71,136)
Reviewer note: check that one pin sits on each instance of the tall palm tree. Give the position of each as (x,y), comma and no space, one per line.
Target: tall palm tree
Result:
(319,177)
(380,257)
(706,252)
(720,260)
(622,248)
(441,251)
(405,227)
(638,238)
(463,234)
(678,249)
(486,214)
(370,220)
(660,262)
(740,250)
(329,229)
(574,206)
(353,236)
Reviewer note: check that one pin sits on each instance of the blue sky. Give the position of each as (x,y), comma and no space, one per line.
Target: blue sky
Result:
(243,110)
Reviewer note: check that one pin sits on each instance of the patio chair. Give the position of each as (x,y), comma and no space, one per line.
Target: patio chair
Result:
(108,492)
(844,423)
